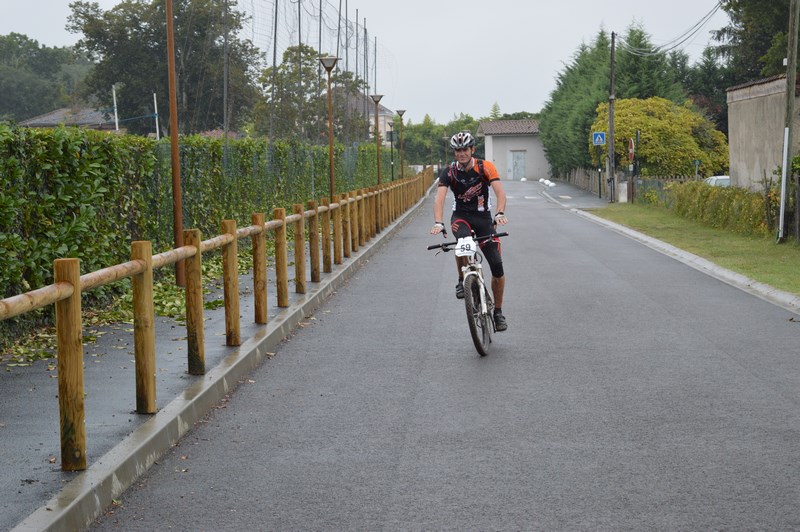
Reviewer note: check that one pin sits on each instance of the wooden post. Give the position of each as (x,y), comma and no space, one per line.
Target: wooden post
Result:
(346,245)
(395,202)
(195,334)
(337,234)
(70,368)
(144,332)
(382,199)
(326,237)
(313,241)
(373,225)
(281,258)
(260,270)
(362,218)
(354,221)
(299,251)
(230,284)
(378,209)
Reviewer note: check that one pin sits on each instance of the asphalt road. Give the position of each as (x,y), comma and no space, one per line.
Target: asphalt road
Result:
(630,392)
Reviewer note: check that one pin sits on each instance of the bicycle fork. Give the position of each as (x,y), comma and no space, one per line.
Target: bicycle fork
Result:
(474,271)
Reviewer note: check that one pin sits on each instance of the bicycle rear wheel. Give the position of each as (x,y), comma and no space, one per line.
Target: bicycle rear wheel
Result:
(480,324)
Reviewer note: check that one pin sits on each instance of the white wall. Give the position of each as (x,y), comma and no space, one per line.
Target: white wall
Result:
(498,150)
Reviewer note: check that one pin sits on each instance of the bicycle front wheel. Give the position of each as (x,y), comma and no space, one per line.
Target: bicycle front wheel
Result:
(480,324)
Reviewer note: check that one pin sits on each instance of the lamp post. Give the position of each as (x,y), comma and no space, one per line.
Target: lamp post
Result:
(400,112)
(391,144)
(377,98)
(328,63)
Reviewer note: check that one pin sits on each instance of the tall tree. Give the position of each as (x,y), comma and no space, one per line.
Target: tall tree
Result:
(643,71)
(673,136)
(754,43)
(34,79)
(294,100)
(129,44)
(567,116)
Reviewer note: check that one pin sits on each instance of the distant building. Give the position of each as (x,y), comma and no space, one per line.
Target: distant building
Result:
(515,148)
(73,116)
(756,123)
(361,104)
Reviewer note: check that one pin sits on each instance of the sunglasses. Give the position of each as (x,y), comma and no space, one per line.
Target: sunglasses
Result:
(461,149)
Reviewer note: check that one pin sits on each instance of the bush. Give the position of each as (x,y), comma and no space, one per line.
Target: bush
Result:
(70,192)
(731,208)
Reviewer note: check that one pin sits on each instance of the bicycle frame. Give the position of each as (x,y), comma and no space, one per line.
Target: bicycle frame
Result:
(475,268)
(480,305)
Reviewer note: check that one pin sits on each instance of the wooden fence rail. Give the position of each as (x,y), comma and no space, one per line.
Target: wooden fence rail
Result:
(356,217)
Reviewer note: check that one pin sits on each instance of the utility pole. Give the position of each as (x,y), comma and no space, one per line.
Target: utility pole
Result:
(791,82)
(177,203)
(786,163)
(612,173)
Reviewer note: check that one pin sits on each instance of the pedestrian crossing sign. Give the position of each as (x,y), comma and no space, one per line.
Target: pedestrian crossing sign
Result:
(599,138)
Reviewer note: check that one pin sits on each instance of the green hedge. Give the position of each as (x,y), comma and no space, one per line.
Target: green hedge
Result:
(731,208)
(71,192)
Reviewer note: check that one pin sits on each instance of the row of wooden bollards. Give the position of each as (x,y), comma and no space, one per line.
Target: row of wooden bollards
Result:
(347,224)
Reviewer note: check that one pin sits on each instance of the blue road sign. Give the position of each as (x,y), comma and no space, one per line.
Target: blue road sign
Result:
(599,138)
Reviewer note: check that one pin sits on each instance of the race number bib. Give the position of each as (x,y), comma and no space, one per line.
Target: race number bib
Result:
(465,247)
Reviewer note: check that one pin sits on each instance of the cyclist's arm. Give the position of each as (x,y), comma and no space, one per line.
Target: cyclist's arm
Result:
(500,194)
(438,205)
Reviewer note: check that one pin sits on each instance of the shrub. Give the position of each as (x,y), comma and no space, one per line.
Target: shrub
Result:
(731,208)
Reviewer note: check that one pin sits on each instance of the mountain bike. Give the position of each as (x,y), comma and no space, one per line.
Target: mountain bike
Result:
(478,298)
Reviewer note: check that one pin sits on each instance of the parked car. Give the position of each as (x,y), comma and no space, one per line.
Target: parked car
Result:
(718,181)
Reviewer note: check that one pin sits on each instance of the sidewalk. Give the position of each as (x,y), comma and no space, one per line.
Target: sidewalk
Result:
(121,444)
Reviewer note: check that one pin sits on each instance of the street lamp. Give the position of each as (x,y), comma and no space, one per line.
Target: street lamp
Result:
(391,144)
(377,98)
(328,63)
(400,112)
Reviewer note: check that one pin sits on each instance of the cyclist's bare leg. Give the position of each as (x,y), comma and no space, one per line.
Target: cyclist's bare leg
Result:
(460,262)
(498,286)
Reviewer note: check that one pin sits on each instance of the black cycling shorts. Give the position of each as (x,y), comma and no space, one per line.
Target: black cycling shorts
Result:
(464,223)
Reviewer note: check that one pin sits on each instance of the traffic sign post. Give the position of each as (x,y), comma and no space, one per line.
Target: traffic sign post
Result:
(599,138)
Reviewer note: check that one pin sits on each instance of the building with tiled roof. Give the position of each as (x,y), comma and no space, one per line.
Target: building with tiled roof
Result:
(515,148)
(69,116)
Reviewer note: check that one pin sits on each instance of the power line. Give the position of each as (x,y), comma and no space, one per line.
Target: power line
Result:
(674,42)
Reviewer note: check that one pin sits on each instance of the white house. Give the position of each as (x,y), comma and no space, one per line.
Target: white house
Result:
(515,148)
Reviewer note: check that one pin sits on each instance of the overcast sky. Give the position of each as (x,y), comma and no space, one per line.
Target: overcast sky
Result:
(445,57)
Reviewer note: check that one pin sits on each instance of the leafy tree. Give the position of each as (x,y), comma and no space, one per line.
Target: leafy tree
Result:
(34,79)
(643,72)
(520,115)
(706,83)
(567,117)
(424,143)
(672,137)
(494,114)
(294,100)
(754,43)
(293,96)
(129,43)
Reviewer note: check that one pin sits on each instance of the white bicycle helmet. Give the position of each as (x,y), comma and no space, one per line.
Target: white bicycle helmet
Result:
(462,139)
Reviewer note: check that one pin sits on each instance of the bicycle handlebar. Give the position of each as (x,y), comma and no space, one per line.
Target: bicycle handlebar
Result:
(446,245)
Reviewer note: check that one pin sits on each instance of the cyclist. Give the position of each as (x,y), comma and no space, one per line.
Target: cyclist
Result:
(470,179)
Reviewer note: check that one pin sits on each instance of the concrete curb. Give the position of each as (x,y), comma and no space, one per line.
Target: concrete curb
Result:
(87,496)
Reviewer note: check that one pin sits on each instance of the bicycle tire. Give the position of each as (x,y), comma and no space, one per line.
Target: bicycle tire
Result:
(480,325)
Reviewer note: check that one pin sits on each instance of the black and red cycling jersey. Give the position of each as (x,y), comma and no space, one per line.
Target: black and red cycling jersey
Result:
(470,187)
